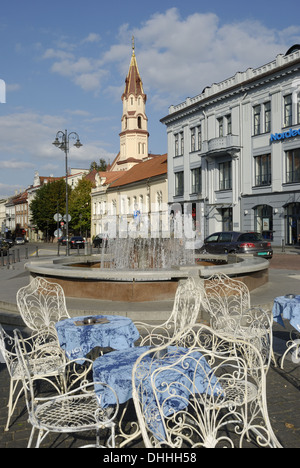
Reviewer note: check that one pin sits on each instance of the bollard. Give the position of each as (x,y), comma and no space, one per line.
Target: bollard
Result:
(18,255)
(282,246)
(2,259)
(26,253)
(37,251)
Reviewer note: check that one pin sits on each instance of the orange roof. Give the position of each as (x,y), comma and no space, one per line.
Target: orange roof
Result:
(155,166)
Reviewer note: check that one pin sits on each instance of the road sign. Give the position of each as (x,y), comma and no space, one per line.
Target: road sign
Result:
(65,218)
(58,233)
(57,217)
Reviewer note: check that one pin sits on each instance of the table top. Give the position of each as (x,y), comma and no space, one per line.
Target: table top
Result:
(115,369)
(287,308)
(112,331)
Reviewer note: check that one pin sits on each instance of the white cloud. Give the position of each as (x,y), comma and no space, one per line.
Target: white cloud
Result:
(92,37)
(178,56)
(16,164)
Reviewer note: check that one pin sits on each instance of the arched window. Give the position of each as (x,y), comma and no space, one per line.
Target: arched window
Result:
(139,121)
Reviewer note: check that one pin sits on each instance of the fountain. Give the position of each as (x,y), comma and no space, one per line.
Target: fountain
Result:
(136,268)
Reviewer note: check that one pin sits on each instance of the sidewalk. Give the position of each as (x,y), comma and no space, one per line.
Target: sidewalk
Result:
(283,386)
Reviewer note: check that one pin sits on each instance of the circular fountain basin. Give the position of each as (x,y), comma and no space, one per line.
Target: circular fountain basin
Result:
(81,277)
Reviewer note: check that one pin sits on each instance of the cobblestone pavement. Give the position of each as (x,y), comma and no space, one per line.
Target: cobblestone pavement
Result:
(283,388)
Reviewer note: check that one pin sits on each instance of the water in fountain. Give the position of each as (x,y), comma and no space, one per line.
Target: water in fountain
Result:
(145,253)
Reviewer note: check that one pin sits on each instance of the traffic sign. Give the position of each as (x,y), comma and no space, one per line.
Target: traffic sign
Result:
(58,233)
(57,217)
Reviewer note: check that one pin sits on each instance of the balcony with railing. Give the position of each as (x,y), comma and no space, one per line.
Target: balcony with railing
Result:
(221,145)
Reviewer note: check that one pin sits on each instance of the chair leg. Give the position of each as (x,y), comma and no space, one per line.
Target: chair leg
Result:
(31,437)
(12,404)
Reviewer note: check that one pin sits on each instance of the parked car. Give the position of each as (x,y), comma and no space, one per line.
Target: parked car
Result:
(19,241)
(99,240)
(10,242)
(62,240)
(76,241)
(237,242)
(4,247)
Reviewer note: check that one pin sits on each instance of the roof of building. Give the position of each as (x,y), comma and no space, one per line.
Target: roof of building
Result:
(133,81)
(144,170)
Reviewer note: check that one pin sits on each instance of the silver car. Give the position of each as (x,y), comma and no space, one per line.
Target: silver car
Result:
(238,242)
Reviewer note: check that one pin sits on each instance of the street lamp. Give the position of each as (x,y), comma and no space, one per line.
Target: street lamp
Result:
(62,141)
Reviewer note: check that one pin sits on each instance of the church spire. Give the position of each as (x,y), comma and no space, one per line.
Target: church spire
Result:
(133,81)
(134,134)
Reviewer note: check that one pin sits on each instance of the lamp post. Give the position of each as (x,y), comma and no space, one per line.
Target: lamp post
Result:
(62,141)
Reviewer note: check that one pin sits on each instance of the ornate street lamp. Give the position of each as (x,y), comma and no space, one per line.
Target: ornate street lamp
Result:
(62,141)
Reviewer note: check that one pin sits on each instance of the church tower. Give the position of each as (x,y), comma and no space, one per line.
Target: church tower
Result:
(134,134)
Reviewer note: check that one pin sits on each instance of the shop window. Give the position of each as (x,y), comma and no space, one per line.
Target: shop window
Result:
(293,223)
(226,214)
(263,221)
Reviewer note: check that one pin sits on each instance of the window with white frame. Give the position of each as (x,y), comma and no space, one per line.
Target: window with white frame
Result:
(199,137)
(263,173)
(256,120)
(179,187)
(193,139)
(293,166)
(267,117)
(288,111)
(225,179)
(196,186)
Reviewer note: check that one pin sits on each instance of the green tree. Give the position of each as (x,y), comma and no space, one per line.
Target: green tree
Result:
(102,166)
(80,207)
(49,199)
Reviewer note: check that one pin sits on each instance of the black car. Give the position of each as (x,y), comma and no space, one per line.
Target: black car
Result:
(237,242)
(99,240)
(4,247)
(77,242)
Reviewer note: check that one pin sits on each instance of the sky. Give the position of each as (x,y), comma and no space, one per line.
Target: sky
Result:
(64,65)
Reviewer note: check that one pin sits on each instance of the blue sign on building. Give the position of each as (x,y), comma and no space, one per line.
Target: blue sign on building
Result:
(284,135)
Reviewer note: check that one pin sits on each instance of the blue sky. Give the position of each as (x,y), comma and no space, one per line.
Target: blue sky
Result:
(64,64)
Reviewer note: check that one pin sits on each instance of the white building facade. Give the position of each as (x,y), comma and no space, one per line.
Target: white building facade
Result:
(234,152)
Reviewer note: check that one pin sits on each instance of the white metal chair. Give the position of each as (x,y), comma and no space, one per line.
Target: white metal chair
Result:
(185,312)
(44,356)
(208,395)
(227,301)
(79,409)
(42,304)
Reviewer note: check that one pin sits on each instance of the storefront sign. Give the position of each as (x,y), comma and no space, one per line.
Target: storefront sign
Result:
(284,135)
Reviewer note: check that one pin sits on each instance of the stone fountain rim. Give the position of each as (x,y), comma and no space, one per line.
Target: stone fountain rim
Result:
(60,267)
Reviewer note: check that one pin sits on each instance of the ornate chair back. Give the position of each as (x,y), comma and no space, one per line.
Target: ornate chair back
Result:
(224,298)
(185,312)
(42,304)
(212,394)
